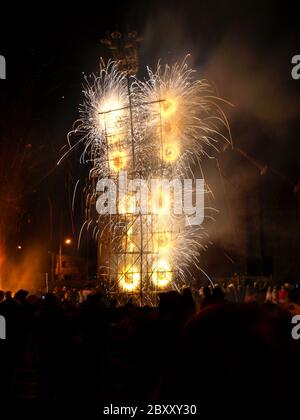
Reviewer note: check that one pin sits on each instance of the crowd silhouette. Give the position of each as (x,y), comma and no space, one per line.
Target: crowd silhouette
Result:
(225,342)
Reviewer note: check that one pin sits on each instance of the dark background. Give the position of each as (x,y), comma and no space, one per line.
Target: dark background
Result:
(245,48)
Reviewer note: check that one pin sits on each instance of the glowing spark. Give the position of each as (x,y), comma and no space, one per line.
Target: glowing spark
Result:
(117,160)
(129,279)
(110,114)
(162,274)
(170,152)
(168,107)
(163,242)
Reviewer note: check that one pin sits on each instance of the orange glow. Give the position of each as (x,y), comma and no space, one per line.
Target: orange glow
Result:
(162,242)
(128,241)
(127,204)
(160,202)
(117,160)
(170,152)
(170,129)
(25,273)
(162,274)
(130,279)
(168,107)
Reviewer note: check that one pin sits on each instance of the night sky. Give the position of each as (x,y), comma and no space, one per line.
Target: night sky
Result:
(245,48)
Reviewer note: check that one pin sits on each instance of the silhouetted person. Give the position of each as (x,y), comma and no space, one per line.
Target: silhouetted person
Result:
(228,352)
(283,294)
(21,295)
(218,296)
(207,297)
(8,295)
(187,303)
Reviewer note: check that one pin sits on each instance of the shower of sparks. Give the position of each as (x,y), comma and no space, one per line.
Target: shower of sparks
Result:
(162,127)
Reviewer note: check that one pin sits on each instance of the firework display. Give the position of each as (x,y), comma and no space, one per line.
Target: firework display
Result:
(148,131)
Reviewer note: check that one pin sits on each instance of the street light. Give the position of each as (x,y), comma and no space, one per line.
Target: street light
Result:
(67,241)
